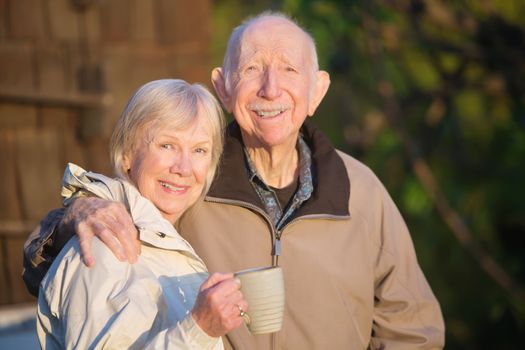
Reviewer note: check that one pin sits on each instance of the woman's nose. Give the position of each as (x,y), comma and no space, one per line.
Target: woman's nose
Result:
(182,164)
(270,88)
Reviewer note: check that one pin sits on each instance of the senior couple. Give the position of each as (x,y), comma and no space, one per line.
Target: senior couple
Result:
(282,195)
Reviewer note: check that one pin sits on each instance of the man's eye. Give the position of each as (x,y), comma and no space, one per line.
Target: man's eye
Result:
(290,69)
(251,68)
(166,146)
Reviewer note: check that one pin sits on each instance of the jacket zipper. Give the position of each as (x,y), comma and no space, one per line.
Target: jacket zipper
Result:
(259,211)
(276,249)
(275,234)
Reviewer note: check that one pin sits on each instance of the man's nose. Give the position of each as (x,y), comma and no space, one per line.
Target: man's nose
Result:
(270,88)
(182,164)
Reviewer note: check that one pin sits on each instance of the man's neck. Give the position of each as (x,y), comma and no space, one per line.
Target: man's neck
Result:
(277,166)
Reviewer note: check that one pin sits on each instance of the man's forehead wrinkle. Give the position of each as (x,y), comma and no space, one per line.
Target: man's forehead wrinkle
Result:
(273,48)
(268,57)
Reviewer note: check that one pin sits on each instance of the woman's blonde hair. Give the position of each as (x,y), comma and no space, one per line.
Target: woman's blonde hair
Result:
(166,103)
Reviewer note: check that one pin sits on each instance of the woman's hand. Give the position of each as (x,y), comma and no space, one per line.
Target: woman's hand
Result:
(109,221)
(219,304)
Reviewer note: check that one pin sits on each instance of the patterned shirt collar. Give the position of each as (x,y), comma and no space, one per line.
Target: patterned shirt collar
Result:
(281,216)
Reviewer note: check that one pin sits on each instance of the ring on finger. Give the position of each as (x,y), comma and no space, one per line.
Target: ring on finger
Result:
(241,311)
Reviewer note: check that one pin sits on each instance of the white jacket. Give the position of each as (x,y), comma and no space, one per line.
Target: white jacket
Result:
(115,305)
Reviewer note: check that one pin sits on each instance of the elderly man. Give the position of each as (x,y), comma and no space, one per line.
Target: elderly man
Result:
(285,196)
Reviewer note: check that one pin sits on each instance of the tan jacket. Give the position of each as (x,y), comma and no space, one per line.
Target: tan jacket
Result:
(352,279)
(351,275)
(115,305)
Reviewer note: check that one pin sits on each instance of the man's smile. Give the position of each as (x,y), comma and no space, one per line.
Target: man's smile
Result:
(268,111)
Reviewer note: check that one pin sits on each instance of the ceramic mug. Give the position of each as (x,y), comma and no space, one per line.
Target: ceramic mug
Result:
(263,289)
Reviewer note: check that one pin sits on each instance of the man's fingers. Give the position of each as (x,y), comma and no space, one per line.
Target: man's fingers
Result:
(123,217)
(120,239)
(128,245)
(107,236)
(128,239)
(85,249)
(124,230)
(138,245)
(109,221)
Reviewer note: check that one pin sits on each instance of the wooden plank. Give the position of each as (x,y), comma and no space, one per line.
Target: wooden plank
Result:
(4,283)
(70,99)
(16,228)
(143,22)
(63,20)
(115,20)
(52,64)
(55,117)
(13,115)
(176,27)
(16,60)
(93,26)
(3,21)
(97,155)
(66,123)
(26,19)
(10,206)
(190,66)
(18,289)
(40,171)
(74,152)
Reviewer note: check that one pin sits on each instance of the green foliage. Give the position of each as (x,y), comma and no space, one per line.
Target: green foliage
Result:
(414,199)
(457,73)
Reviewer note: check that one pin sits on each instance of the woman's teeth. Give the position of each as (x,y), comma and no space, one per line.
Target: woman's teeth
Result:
(171,187)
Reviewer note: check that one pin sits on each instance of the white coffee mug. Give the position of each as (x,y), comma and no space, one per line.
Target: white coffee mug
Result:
(263,289)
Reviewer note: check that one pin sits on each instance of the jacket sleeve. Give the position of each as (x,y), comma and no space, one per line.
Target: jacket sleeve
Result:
(113,305)
(41,248)
(406,313)
(185,335)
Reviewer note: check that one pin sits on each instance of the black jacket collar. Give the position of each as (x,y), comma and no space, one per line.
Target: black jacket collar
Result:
(331,183)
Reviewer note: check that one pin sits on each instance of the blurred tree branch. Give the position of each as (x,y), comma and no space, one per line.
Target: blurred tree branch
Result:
(423,172)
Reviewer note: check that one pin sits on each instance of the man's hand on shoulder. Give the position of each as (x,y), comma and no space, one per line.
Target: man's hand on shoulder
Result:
(109,221)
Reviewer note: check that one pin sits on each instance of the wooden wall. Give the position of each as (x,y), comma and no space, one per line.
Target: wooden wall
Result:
(67,67)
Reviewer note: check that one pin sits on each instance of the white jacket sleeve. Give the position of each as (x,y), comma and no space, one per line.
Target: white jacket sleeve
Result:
(113,305)
(185,335)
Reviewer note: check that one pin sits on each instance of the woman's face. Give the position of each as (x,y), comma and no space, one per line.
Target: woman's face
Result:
(169,167)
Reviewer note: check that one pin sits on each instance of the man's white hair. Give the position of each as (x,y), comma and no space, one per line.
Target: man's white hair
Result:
(231,58)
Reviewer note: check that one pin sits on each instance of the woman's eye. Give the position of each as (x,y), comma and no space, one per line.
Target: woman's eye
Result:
(166,146)
(290,69)
(201,150)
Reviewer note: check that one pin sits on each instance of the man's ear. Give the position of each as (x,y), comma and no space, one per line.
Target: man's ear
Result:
(322,83)
(219,84)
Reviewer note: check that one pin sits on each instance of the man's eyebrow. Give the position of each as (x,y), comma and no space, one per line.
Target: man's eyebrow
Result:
(286,60)
(245,61)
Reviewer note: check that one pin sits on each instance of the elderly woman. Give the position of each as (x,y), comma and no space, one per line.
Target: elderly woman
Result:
(164,150)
